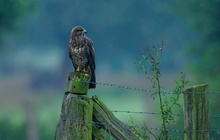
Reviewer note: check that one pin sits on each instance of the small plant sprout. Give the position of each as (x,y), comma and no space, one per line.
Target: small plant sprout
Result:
(150,66)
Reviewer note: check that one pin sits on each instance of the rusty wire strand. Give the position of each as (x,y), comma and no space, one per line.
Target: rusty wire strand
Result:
(141,89)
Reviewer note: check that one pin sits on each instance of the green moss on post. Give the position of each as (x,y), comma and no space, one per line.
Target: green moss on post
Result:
(106,120)
(82,117)
(96,133)
(78,83)
(196,113)
(76,118)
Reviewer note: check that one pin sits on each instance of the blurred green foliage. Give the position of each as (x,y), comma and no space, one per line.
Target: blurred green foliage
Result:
(204,17)
(12,126)
(48,115)
(13,117)
(10,12)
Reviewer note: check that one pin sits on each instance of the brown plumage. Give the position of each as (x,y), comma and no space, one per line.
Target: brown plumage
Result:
(82,53)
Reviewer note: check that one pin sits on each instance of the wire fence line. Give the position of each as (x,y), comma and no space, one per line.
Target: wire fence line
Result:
(144,127)
(155,113)
(149,91)
(140,127)
(141,89)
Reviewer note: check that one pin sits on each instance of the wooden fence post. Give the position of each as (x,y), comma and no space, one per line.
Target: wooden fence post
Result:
(76,114)
(196,113)
(82,118)
(106,120)
(76,118)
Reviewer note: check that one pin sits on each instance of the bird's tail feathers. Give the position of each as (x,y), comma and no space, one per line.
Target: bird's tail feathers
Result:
(92,81)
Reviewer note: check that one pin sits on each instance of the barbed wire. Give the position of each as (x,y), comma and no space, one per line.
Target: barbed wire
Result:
(155,113)
(145,90)
(123,87)
(150,113)
(142,89)
(142,127)
(135,112)
(148,90)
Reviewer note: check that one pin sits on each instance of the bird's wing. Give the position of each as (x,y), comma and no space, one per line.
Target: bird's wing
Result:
(91,53)
(71,45)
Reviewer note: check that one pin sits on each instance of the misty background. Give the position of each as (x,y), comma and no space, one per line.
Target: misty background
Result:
(34,62)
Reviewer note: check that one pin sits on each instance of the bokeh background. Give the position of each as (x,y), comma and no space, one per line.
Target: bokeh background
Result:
(34,63)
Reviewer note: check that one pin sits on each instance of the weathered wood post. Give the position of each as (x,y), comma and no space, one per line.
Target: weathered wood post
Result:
(196,113)
(82,118)
(107,121)
(76,115)
(77,83)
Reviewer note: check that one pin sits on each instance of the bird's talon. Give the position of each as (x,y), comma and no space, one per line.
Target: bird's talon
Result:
(77,69)
(84,70)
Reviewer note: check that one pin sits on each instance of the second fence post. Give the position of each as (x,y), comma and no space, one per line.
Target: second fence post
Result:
(196,113)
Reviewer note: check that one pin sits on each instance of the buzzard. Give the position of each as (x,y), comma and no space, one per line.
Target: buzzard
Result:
(82,53)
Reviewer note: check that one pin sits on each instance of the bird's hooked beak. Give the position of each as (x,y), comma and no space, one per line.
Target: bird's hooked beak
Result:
(84,31)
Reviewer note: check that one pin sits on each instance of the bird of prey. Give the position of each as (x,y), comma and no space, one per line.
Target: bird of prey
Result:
(82,53)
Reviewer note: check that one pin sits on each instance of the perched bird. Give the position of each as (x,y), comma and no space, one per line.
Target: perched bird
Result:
(82,53)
